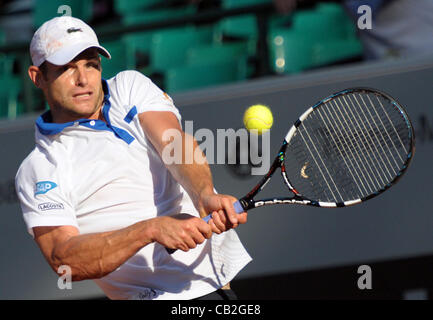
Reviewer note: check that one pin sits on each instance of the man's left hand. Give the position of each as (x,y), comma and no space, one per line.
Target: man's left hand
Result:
(224,216)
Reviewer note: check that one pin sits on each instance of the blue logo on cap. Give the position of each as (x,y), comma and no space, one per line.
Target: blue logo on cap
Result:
(44,186)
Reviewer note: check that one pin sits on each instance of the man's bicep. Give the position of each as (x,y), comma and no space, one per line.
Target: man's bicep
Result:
(159,126)
(50,237)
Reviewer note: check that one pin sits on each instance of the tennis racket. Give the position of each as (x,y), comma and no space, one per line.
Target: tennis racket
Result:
(344,150)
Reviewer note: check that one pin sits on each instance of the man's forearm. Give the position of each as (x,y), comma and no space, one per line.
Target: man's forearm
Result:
(190,167)
(195,177)
(163,129)
(93,256)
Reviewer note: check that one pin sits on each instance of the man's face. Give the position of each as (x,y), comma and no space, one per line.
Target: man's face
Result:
(74,91)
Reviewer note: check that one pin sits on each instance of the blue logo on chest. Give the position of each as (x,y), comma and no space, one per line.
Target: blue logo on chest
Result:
(44,186)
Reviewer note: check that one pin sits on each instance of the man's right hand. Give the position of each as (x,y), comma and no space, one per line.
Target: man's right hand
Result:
(182,232)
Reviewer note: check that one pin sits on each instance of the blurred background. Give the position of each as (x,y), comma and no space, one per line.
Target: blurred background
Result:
(215,58)
(173,41)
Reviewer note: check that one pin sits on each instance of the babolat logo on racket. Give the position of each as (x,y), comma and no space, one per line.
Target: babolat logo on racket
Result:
(44,186)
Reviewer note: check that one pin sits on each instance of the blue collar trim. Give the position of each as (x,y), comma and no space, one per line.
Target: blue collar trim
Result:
(45,124)
(106,90)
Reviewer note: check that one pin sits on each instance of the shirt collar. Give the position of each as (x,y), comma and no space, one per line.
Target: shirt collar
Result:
(45,123)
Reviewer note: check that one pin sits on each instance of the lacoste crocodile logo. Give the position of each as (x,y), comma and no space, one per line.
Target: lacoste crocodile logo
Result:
(70,30)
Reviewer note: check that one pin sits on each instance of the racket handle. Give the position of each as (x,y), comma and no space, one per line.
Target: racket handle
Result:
(238,208)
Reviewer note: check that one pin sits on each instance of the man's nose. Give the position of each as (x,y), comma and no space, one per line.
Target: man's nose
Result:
(81,79)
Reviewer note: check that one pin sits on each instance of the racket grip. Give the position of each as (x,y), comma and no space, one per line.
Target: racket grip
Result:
(238,208)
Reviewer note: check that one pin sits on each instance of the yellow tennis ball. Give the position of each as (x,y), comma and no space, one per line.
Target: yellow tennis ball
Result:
(258,117)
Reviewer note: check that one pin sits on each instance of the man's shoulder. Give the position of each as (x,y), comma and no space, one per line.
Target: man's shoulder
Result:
(128,77)
(129,88)
(36,160)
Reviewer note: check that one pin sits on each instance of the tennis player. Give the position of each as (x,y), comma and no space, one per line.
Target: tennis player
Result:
(95,192)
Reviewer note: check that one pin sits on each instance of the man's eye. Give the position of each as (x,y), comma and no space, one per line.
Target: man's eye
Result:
(93,65)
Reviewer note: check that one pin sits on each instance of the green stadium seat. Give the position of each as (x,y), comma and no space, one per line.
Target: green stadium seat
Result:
(11,104)
(122,58)
(244,26)
(10,107)
(290,51)
(190,77)
(324,23)
(334,51)
(140,42)
(241,28)
(324,35)
(216,52)
(6,61)
(169,46)
(350,29)
(154,15)
(229,52)
(6,64)
(139,45)
(242,3)
(46,9)
(339,19)
(125,7)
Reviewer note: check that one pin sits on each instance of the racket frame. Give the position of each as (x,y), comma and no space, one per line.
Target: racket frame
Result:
(247,202)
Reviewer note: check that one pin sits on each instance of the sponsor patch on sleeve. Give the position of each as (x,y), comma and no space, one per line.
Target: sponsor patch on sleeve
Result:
(43,187)
(50,206)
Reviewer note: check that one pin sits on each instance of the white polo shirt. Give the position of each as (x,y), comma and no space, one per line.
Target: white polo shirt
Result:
(101,177)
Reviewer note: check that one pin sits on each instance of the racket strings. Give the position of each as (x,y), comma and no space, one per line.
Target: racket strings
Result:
(350,147)
(361,151)
(342,151)
(375,135)
(320,163)
(384,132)
(356,170)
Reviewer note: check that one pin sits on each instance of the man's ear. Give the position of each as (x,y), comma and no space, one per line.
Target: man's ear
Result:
(35,75)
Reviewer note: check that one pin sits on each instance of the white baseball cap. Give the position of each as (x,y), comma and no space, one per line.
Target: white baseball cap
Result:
(61,39)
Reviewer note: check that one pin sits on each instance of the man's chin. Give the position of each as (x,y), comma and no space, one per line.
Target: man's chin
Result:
(86,111)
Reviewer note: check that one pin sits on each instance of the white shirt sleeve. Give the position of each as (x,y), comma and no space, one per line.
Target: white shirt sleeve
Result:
(43,198)
(141,92)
